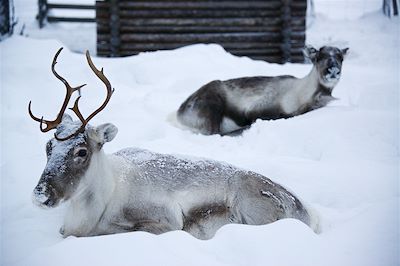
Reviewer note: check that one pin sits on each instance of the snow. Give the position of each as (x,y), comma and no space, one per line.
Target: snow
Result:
(346,9)
(342,160)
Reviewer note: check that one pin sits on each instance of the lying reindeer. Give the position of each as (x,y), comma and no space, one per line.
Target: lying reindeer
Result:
(136,189)
(223,107)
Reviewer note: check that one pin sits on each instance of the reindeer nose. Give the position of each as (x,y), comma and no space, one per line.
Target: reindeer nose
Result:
(332,72)
(43,194)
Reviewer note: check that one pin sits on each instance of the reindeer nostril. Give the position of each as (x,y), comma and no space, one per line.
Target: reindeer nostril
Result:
(333,71)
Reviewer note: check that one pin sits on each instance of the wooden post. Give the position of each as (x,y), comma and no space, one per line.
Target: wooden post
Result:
(286,31)
(5,17)
(395,8)
(115,39)
(42,12)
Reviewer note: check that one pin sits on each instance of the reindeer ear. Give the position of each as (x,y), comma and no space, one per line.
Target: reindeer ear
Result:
(310,52)
(344,51)
(103,133)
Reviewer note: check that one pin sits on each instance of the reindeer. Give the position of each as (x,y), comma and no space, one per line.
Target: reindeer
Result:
(226,107)
(139,190)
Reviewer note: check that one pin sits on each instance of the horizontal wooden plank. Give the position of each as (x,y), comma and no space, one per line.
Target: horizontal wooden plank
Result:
(191,13)
(69,6)
(101,28)
(168,46)
(272,4)
(200,22)
(208,37)
(104,18)
(69,19)
(201,38)
(176,7)
(244,51)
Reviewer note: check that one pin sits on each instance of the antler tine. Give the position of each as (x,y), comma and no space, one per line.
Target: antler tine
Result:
(40,120)
(76,110)
(32,116)
(102,77)
(53,124)
(63,80)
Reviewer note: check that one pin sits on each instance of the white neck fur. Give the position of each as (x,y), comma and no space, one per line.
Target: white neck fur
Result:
(91,197)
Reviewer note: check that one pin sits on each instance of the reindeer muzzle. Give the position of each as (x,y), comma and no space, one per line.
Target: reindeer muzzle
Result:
(45,196)
(332,73)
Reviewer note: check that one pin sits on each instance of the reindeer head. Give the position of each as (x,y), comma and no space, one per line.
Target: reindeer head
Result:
(328,61)
(70,152)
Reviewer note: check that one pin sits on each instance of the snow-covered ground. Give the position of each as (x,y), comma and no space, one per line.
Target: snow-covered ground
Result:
(342,160)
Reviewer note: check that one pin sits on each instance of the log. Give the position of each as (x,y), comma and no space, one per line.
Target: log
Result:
(202,38)
(195,29)
(215,22)
(168,46)
(70,6)
(190,13)
(69,19)
(195,4)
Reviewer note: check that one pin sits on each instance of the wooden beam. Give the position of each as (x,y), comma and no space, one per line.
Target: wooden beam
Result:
(69,19)
(70,6)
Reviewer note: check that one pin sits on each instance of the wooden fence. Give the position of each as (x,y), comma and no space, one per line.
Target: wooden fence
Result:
(391,7)
(45,8)
(271,30)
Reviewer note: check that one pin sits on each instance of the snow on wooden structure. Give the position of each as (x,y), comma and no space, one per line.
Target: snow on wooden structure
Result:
(272,30)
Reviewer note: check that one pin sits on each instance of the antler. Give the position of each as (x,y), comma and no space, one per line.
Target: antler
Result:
(106,82)
(53,124)
(75,109)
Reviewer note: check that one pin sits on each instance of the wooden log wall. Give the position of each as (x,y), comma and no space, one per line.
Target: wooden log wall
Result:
(271,30)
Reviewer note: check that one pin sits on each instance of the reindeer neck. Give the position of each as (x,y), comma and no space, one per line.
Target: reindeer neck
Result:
(98,179)
(304,89)
(313,83)
(91,197)
(311,80)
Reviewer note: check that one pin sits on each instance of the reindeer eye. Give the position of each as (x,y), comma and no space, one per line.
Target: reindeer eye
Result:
(81,153)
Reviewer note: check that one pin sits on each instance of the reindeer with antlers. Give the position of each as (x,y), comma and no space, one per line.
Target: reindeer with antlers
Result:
(136,189)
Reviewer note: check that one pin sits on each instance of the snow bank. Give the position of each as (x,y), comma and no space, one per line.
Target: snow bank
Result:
(342,160)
